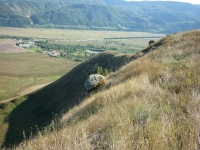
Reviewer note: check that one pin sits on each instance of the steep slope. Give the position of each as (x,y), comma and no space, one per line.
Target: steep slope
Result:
(41,107)
(151,103)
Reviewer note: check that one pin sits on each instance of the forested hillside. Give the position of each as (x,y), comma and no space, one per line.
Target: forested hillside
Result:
(166,17)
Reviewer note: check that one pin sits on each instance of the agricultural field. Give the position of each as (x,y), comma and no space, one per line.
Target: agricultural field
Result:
(71,34)
(8,46)
(125,42)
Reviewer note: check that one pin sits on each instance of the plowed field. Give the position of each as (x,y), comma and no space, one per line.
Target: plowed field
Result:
(8,46)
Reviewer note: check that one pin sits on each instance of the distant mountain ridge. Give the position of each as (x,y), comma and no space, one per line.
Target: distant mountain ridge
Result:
(165,17)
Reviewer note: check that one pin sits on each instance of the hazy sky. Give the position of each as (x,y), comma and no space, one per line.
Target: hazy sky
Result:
(188,1)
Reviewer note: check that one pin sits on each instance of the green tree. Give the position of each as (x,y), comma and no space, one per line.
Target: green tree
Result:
(105,71)
(101,71)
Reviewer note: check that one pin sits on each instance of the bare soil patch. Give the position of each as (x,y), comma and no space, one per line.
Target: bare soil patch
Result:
(9,47)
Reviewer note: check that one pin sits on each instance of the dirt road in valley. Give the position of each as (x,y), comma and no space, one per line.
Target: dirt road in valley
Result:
(25,92)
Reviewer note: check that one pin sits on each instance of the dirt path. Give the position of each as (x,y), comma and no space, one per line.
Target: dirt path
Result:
(25,92)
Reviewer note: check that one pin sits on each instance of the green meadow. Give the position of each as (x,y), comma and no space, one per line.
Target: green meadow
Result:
(21,71)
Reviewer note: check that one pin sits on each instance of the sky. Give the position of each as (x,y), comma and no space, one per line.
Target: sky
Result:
(187,1)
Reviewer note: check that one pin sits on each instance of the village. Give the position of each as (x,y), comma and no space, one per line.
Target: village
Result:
(32,43)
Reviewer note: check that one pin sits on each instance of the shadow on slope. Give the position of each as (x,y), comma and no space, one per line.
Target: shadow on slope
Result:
(39,109)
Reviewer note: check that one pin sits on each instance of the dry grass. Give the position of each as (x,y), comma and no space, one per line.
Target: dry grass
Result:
(8,46)
(152,103)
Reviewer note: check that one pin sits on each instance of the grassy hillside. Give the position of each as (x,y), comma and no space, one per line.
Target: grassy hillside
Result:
(21,71)
(151,103)
(41,107)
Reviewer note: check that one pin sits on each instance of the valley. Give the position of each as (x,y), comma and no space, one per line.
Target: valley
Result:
(73,44)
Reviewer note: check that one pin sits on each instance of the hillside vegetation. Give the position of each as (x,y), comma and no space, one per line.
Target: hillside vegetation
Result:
(21,71)
(151,103)
(165,17)
(35,111)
